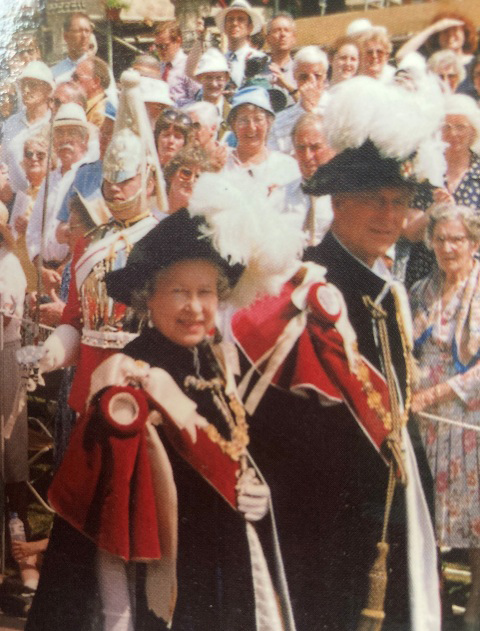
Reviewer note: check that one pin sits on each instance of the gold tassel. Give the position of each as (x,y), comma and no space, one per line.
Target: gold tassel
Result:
(372,616)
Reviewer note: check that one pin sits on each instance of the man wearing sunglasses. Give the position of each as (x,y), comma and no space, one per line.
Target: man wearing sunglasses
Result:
(168,45)
(70,142)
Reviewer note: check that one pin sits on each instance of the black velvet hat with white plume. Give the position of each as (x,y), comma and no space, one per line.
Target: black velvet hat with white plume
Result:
(229,223)
(384,135)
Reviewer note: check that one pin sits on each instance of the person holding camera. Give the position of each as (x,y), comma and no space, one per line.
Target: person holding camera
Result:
(277,66)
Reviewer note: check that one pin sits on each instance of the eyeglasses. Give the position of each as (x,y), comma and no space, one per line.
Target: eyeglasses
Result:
(27,51)
(184,173)
(257,120)
(80,77)
(32,84)
(34,155)
(455,240)
(304,76)
(173,116)
(378,52)
(77,31)
(241,18)
(163,47)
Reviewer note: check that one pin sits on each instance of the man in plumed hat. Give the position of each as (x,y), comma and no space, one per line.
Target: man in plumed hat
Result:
(348,475)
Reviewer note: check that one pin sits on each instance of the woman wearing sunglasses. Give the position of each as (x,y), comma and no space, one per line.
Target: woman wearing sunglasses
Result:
(35,165)
(182,172)
(172,132)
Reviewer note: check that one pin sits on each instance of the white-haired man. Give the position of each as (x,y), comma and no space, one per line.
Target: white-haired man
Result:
(311,149)
(70,142)
(359,546)
(310,73)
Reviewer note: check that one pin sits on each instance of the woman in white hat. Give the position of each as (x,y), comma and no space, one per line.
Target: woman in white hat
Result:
(250,118)
(36,87)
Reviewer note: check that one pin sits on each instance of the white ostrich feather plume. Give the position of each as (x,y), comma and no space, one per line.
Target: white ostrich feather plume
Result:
(395,120)
(245,228)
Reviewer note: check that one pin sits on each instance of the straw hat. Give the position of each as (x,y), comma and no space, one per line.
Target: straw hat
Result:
(240,5)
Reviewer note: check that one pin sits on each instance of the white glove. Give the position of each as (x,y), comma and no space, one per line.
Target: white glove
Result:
(253,496)
(61,348)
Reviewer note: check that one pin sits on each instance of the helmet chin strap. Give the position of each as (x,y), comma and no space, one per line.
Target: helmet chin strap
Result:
(123,209)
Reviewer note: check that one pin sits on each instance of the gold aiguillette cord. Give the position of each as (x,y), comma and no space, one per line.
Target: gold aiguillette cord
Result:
(373,614)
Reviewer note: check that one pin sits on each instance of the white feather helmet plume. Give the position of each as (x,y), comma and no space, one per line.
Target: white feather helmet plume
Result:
(245,228)
(132,114)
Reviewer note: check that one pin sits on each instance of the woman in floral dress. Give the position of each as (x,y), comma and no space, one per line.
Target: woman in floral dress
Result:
(446,312)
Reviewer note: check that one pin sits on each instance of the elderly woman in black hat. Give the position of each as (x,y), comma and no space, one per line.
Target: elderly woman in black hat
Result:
(157,483)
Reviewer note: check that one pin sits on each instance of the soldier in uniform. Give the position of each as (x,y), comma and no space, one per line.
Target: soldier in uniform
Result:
(93,325)
(344,465)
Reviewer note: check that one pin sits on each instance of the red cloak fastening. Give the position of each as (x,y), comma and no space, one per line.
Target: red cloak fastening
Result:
(317,358)
(104,485)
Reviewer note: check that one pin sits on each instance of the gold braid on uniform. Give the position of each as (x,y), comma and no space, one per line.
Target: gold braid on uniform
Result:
(232,411)
(373,614)
(374,398)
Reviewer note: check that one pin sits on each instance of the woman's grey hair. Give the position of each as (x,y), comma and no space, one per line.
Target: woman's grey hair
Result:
(449,211)
(444,59)
(207,113)
(463,105)
(141,295)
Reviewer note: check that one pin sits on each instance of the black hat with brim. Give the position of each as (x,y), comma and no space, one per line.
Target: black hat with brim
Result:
(360,169)
(178,237)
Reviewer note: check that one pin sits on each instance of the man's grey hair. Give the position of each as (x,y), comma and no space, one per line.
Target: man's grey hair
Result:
(207,113)
(310,55)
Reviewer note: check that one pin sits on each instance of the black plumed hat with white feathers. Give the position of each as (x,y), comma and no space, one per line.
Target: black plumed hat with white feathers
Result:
(228,222)
(385,136)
